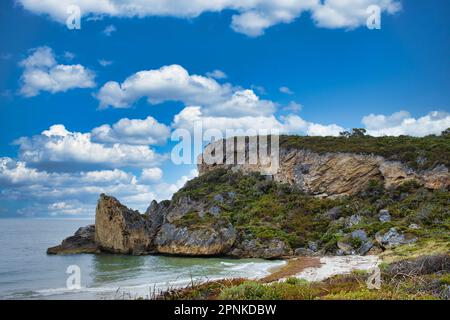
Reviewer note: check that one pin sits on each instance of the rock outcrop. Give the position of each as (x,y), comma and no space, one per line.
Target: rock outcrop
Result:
(121,230)
(198,241)
(83,241)
(393,238)
(328,174)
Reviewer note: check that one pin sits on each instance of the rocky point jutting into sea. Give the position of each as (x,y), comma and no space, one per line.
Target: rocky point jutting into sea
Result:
(339,196)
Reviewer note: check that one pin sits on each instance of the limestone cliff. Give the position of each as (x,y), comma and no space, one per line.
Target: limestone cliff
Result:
(121,230)
(328,173)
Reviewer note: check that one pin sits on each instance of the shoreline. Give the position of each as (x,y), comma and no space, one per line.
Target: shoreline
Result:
(320,268)
(292,267)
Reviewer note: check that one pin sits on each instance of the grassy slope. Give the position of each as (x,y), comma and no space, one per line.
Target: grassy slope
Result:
(417,153)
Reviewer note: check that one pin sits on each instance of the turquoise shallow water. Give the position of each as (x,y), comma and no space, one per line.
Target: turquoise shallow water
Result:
(27,272)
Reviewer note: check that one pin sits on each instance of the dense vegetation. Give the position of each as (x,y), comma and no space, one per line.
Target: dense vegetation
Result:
(417,153)
(262,209)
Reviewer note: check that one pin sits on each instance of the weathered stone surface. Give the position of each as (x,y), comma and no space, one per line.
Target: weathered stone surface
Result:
(414,226)
(359,234)
(354,220)
(333,174)
(313,246)
(121,230)
(393,238)
(155,215)
(384,216)
(182,206)
(83,241)
(271,249)
(365,247)
(345,248)
(333,213)
(203,241)
(303,252)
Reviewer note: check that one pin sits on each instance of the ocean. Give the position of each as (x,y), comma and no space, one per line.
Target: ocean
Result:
(27,272)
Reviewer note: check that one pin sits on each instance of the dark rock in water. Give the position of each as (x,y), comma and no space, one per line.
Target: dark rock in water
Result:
(393,238)
(83,241)
(121,230)
(198,241)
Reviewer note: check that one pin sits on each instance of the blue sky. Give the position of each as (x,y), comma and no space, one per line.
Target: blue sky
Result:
(336,74)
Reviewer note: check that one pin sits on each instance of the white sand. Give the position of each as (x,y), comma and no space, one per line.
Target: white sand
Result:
(332,266)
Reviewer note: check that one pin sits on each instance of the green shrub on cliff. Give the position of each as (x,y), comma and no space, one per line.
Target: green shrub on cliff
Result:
(262,209)
(417,153)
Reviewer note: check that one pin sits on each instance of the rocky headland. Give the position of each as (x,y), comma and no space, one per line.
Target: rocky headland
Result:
(328,197)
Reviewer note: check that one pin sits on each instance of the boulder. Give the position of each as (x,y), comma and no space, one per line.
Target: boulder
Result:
(333,213)
(365,247)
(83,241)
(195,241)
(393,238)
(122,230)
(359,234)
(384,215)
(303,252)
(354,220)
(313,246)
(345,248)
(214,210)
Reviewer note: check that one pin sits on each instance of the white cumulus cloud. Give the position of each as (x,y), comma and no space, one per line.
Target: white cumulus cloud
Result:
(42,73)
(402,123)
(290,124)
(174,83)
(151,175)
(60,148)
(251,17)
(217,74)
(132,131)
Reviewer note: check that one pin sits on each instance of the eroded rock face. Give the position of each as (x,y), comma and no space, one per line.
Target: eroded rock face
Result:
(203,240)
(121,230)
(271,249)
(83,241)
(334,174)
